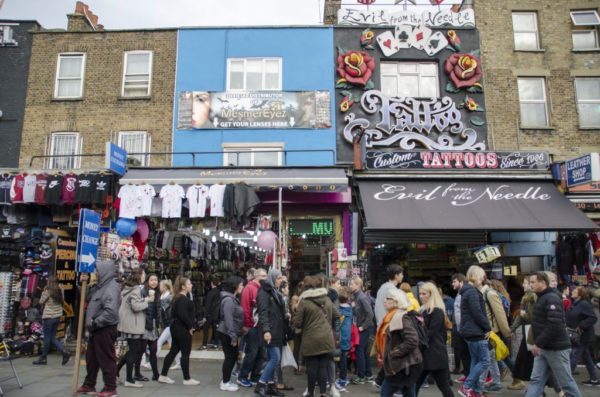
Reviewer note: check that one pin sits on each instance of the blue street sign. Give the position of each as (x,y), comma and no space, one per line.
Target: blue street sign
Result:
(88,238)
(115,158)
(584,169)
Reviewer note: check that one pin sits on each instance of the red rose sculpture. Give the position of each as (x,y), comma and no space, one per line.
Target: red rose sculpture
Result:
(355,67)
(464,70)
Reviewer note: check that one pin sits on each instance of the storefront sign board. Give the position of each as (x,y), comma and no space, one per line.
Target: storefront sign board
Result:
(115,158)
(584,169)
(432,19)
(65,272)
(88,238)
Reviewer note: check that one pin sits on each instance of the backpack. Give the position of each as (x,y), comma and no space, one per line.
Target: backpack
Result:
(219,311)
(419,323)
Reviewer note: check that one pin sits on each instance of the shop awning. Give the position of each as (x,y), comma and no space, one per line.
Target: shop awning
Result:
(299,179)
(465,208)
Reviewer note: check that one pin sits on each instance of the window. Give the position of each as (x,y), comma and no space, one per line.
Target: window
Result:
(252,155)
(64,144)
(69,76)
(136,142)
(533,103)
(137,73)
(585,33)
(526,31)
(588,101)
(585,18)
(6,35)
(410,79)
(254,74)
(585,39)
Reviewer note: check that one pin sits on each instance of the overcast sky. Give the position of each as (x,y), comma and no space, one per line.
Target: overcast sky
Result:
(132,14)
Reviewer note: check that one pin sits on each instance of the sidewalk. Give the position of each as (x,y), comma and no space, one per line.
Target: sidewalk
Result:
(55,380)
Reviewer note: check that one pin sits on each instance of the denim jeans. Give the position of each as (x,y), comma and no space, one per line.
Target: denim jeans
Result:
(253,356)
(584,351)
(388,390)
(480,363)
(494,370)
(50,325)
(344,364)
(363,361)
(273,360)
(550,362)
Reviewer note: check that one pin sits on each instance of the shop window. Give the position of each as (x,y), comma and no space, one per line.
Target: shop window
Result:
(69,76)
(410,79)
(254,74)
(588,101)
(137,73)
(525,29)
(252,155)
(136,142)
(533,102)
(65,145)
(585,29)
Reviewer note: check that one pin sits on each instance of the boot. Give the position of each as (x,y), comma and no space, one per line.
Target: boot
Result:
(272,391)
(65,357)
(41,361)
(517,385)
(261,389)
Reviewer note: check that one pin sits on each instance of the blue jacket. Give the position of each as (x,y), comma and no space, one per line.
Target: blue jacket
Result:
(474,323)
(345,329)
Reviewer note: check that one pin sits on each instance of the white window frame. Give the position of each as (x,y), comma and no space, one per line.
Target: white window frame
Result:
(578,12)
(125,74)
(264,61)
(82,74)
(586,101)
(54,162)
(252,148)
(418,74)
(535,101)
(146,144)
(536,30)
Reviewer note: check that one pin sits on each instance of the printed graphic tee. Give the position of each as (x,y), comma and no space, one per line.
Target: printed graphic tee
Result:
(5,182)
(147,193)
(197,196)
(216,194)
(16,189)
(85,186)
(69,187)
(53,190)
(171,196)
(41,181)
(102,185)
(131,203)
(29,189)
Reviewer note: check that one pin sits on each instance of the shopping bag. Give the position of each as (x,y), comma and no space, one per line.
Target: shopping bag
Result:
(287,357)
(526,336)
(501,349)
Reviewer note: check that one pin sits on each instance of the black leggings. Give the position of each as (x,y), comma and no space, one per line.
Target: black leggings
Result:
(441,377)
(136,349)
(316,368)
(231,353)
(213,336)
(153,359)
(182,342)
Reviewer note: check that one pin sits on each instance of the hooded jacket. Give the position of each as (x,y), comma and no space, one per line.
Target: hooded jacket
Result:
(581,315)
(401,349)
(271,314)
(474,323)
(232,316)
(104,298)
(314,316)
(548,323)
(132,318)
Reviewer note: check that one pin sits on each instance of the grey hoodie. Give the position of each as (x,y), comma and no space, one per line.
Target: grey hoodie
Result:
(104,298)
(231,316)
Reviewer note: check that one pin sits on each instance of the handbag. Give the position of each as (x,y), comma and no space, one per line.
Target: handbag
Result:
(574,336)
(287,357)
(501,349)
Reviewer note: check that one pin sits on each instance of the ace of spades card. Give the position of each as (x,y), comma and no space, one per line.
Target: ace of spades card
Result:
(419,37)
(403,33)
(388,43)
(436,43)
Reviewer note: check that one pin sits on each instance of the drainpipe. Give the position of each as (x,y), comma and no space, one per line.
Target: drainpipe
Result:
(356,144)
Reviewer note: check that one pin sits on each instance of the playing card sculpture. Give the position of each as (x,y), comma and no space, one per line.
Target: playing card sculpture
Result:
(464,72)
(355,69)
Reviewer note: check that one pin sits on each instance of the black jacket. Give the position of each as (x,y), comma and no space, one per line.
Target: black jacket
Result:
(581,315)
(548,323)
(213,300)
(152,311)
(182,312)
(271,314)
(363,311)
(436,355)
(474,323)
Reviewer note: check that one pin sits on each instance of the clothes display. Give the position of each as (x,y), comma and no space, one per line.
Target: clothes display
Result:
(216,194)
(41,181)
(84,189)
(575,255)
(16,189)
(69,188)
(53,189)
(172,196)
(5,184)
(131,202)
(102,187)
(197,196)
(146,193)
(29,188)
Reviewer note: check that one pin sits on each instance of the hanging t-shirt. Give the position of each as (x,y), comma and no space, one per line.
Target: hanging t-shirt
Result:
(102,185)
(85,186)
(53,190)
(5,182)
(196,196)
(147,193)
(16,189)
(41,181)
(171,196)
(69,188)
(216,193)
(131,203)
(29,189)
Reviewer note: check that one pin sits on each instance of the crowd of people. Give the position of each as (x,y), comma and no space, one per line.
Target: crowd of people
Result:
(334,327)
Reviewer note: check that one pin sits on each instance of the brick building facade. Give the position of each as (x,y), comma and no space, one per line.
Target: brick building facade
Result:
(528,44)
(88,86)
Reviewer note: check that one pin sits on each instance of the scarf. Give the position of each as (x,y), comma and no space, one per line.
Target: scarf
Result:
(382,330)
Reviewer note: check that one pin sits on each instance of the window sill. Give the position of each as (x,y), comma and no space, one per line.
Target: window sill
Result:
(590,128)
(529,128)
(586,50)
(54,99)
(538,50)
(134,98)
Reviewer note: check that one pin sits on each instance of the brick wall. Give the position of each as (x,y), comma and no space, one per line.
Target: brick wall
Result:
(557,62)
(102,111)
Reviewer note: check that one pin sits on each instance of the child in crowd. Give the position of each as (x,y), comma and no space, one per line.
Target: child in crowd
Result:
(346,324)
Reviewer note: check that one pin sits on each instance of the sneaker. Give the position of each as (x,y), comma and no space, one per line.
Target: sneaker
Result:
(86,390)
(376,386)
(333,391)
(464,392)
(235,373)
(594,383)
(369,378)
(228,386)
(106,393)
(520,385)
(397,395)
(357,380)
(175,366)
(203,347)
(462,379)
(494,389)
(598,364)
(66,356)
(244,382)
(191,382)
(425,385)
(340,387)
(132,384)
(165,379)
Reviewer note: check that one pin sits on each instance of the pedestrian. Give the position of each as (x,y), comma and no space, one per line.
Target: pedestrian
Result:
(166,298)
(435,357)
(461,349)
(524,360)
(182,330)
(397,344)
(345,328)
(414,303)
(271,325)
(475,329)
(231,321)
(101,319)
(314,316)
(253,351)
(52,298)
(152,313)
(551,347)
(581,318)
(507,364)
(284,290)
(364,320)
(297,338)
(211,311)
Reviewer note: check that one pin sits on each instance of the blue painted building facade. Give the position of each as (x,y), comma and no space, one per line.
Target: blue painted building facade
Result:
(204,58)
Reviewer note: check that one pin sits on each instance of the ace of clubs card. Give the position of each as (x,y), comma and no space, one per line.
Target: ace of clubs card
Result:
(403,34)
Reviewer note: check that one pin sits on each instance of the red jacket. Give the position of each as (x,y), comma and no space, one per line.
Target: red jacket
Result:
(249,302)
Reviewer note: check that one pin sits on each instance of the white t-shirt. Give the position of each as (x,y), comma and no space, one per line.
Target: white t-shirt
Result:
(29,188)
(147,193)
(196,196)
(171,196)
(216,193)
(131,203)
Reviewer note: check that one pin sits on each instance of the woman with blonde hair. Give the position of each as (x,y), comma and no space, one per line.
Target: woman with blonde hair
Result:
(166,298)
(435,357)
